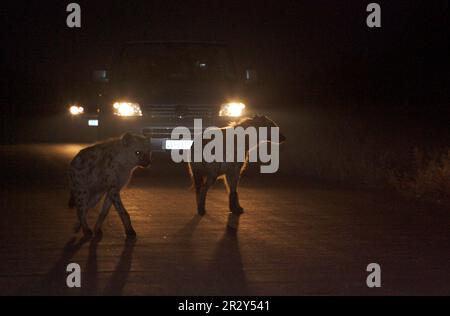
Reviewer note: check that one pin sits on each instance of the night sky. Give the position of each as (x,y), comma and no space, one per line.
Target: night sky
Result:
(302,50)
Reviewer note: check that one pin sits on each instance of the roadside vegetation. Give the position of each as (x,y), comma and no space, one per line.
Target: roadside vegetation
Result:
(430,179)
(372,150)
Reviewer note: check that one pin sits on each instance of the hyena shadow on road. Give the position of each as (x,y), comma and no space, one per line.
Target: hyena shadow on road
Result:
(188,230)
(226,268)
(179,272)
(178,268)
(118,279)
(223,272)
(54,282)
(187,268)
(90,286)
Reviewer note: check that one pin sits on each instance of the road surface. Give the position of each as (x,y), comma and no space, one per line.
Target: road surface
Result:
(296,237)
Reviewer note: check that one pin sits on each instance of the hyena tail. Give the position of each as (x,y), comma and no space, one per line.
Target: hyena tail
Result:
(71,202)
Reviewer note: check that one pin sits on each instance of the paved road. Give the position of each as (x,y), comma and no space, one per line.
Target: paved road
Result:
(295,238)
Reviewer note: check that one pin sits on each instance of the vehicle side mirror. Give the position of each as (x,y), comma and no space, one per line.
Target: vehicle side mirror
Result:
(250,76)
(100,76)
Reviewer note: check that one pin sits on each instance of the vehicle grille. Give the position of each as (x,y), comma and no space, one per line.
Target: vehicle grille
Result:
(178,111)
(162,132)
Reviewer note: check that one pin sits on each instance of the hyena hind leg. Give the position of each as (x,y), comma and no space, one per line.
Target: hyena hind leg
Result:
(232,180)
(197,178)
(103,213)
(201,201)
(91,204)
(77,227)
(81,212)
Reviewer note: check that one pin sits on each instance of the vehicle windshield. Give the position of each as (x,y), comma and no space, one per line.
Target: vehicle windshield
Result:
(175,62)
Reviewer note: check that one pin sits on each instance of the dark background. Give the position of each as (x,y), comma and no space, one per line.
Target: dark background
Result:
(307,53)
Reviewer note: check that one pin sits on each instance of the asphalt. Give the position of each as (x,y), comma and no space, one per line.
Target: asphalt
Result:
(296,237)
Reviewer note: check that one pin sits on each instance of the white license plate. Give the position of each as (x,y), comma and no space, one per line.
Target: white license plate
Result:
(177,144)
(93,122)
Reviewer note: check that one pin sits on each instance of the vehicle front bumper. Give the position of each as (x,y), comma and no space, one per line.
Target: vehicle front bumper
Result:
(159,130)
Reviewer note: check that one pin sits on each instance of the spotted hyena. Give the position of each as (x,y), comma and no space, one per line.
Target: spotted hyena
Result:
(204,174)
(103,170)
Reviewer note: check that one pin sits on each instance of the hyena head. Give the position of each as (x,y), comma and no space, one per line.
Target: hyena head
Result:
(263,121)
(137,149)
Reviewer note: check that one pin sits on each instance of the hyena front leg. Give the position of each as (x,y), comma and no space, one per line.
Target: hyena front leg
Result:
(202,194)
(198,183)
(232,183)
(104,212)
(124,216)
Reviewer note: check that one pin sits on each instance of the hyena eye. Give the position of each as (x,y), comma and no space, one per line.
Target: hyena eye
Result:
(138,153)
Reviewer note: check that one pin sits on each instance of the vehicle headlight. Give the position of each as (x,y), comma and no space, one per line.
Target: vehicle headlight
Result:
(233,109)
(127,109)
(76,110)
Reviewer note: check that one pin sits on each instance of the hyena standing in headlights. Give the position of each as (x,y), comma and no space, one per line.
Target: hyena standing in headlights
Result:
(204,174)
(103,170)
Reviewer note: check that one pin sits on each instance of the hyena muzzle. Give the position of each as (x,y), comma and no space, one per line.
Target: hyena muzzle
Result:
(103,170)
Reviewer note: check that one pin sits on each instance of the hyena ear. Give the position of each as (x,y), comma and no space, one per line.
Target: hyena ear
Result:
(127,139)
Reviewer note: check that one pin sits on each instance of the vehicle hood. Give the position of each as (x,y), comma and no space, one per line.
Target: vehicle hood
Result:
(176,92)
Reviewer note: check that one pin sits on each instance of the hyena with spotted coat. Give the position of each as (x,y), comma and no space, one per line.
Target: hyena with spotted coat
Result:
(103,170)
(204,174)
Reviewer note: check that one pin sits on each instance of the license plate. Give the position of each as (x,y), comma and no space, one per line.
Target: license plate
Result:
(93,122)
(177,144)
